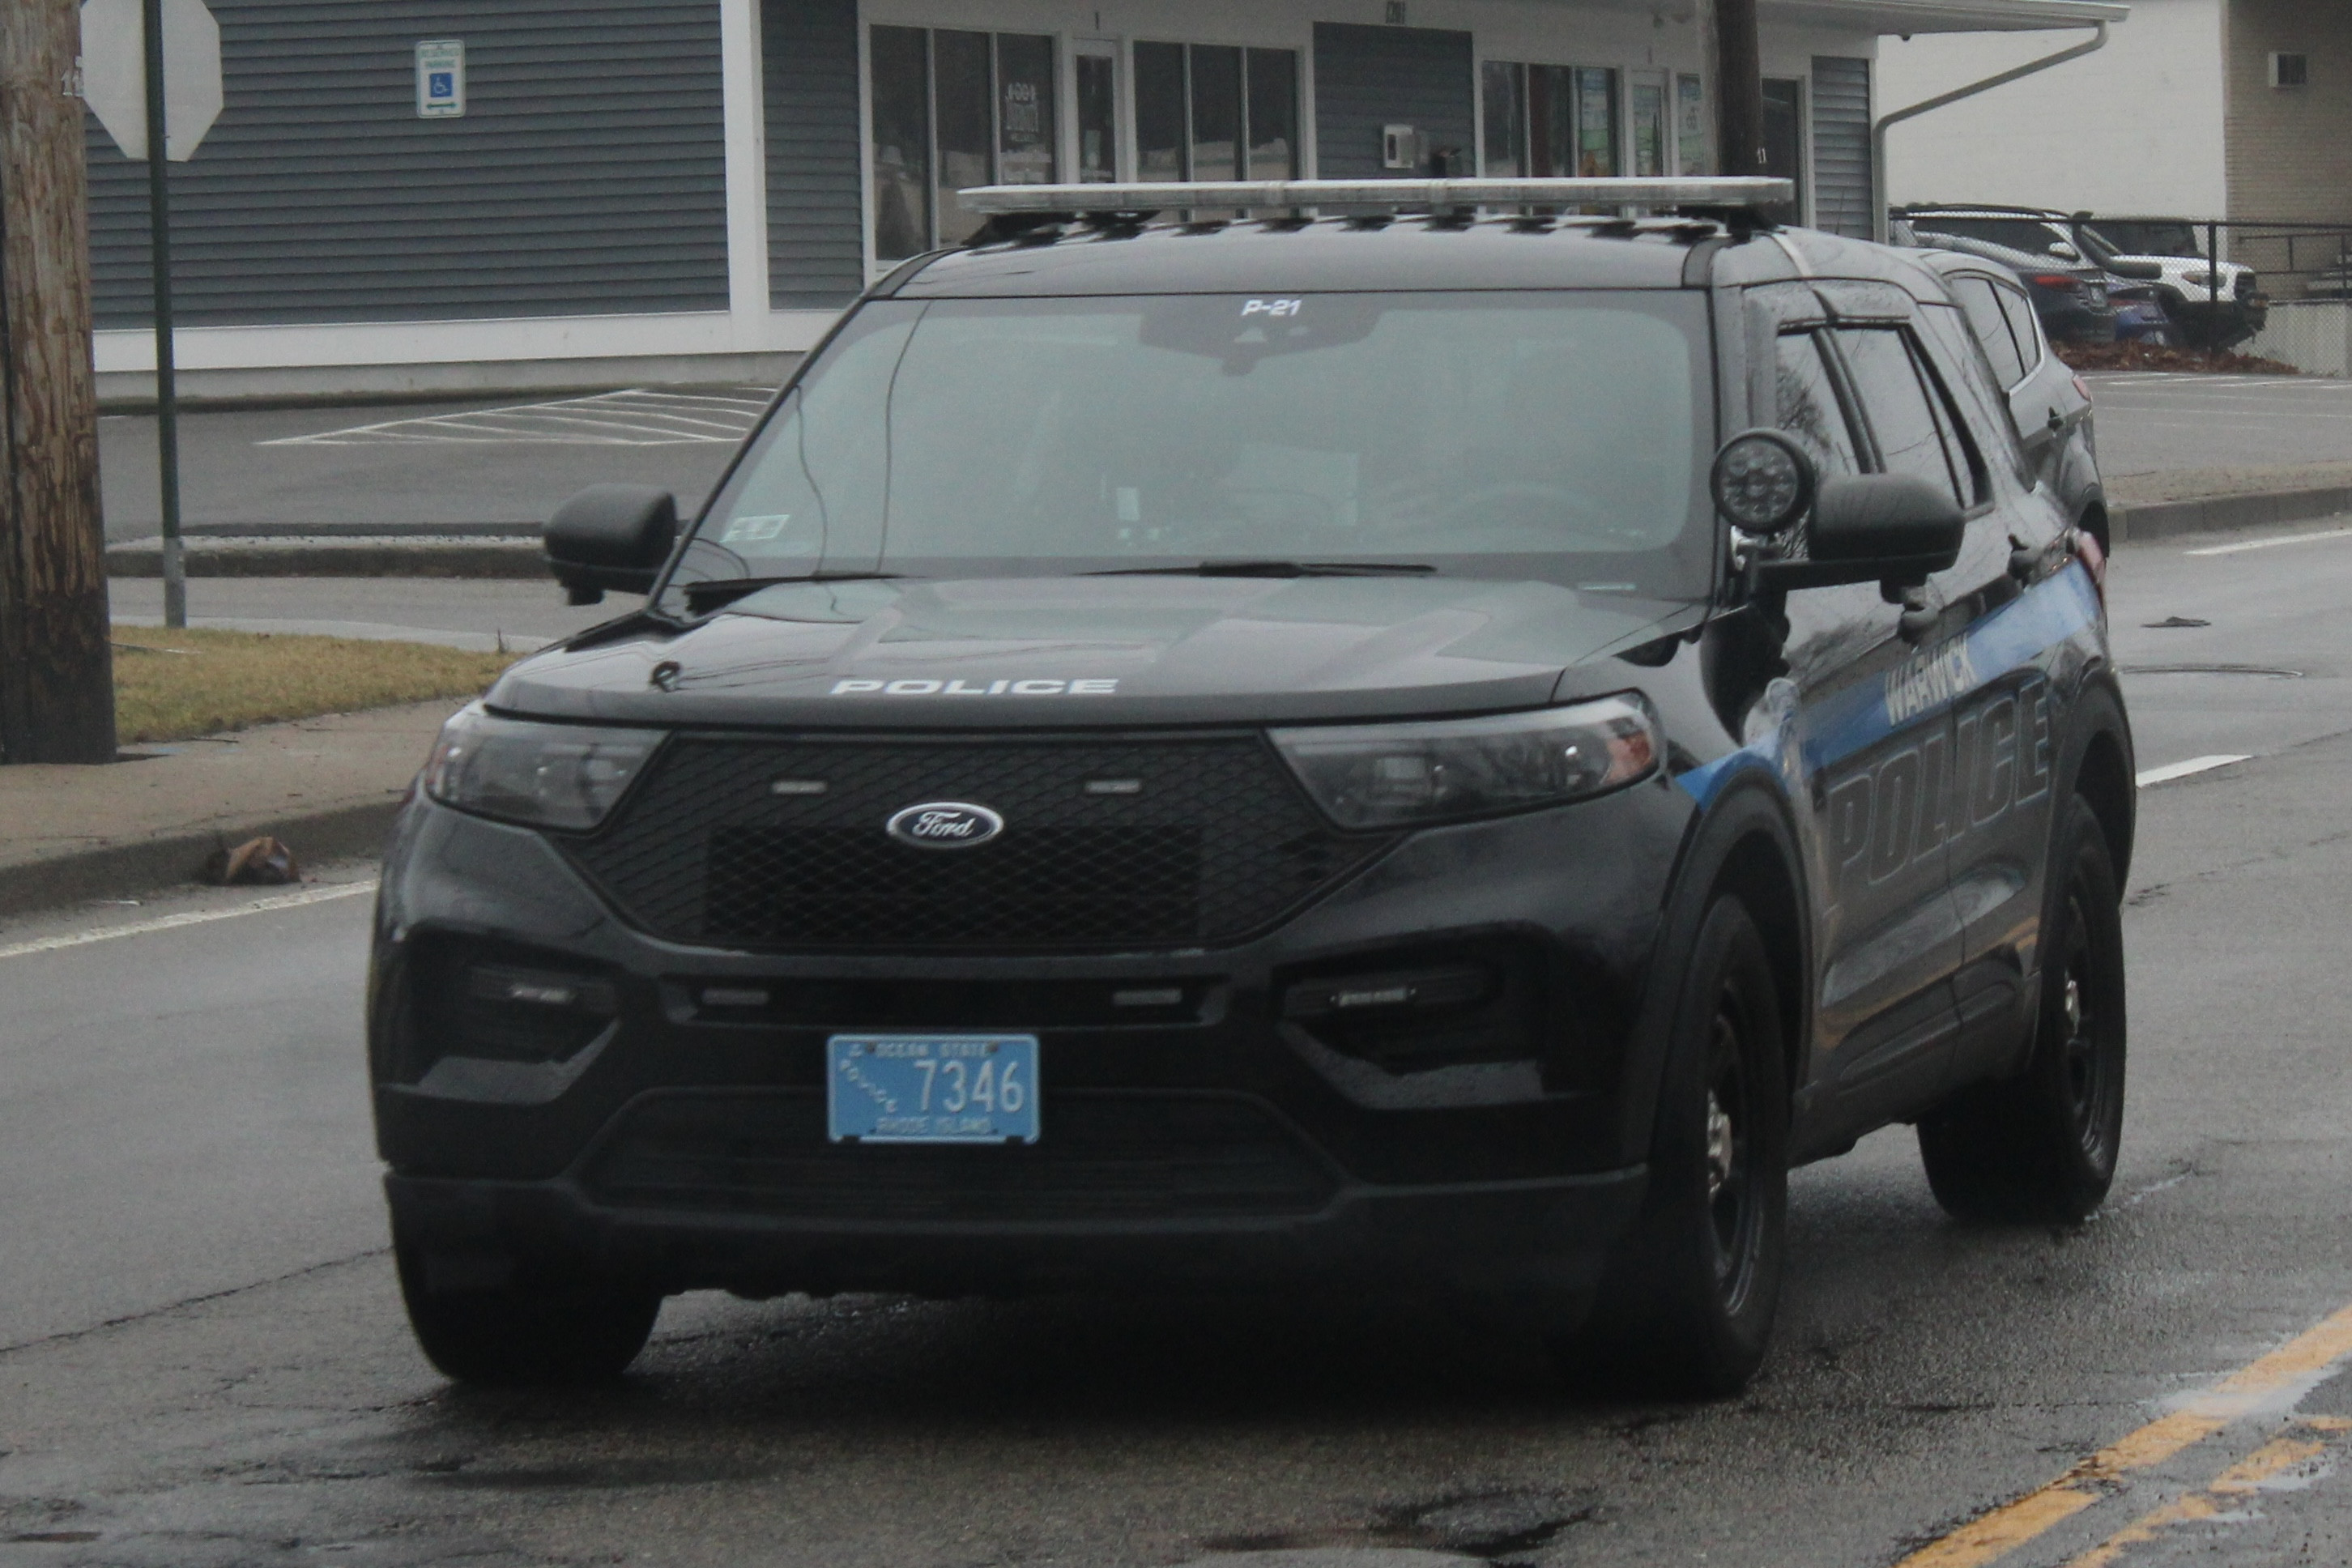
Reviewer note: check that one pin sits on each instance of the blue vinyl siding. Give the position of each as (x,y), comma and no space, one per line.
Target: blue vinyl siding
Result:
(1366,78)
(587,176)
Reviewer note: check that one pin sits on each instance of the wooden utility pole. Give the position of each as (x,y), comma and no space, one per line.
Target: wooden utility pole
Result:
(56,677)
(1739,88)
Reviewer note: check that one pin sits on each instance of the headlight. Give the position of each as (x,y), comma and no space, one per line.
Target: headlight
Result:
(550,776)
(1389,775)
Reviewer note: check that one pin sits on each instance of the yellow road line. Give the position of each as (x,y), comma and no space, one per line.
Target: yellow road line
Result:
(1991,1536)
(2247,1474)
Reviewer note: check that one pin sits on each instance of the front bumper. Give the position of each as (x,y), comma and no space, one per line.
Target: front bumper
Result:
(1225,1139)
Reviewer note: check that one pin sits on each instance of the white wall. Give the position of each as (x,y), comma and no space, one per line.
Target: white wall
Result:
(2135,128)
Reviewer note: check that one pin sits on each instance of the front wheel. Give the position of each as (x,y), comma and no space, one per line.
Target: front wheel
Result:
(522,1334)
(1686,1310)
(2042,1146)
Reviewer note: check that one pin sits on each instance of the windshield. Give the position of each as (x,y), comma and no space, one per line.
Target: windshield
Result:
(1553,435)
(2151,239)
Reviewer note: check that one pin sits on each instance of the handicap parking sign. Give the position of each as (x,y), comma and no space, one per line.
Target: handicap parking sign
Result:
(441,79)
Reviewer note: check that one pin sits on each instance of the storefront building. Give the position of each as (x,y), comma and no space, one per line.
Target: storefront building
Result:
(647,190)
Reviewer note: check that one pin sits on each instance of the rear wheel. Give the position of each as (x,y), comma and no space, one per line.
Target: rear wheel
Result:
(1688,1307)
(2042,1146)
(525,1335)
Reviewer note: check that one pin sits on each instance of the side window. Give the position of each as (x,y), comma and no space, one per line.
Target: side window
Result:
(1913,433)
(2023,324)
(1991,328)
(1808,407)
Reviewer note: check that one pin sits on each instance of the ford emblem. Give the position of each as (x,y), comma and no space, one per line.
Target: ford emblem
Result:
(944,825)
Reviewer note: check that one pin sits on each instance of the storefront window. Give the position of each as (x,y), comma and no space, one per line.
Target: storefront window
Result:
(1273,114)
(900,60)
(1212,111)
(1691,149)
(1649,116)
(952,110)
(1543,121)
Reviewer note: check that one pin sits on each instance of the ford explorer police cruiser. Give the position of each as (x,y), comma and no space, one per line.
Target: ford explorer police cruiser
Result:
(1410,739)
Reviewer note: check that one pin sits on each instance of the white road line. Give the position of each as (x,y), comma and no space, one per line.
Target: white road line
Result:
(191,918)
(2171,771)
(2271,543)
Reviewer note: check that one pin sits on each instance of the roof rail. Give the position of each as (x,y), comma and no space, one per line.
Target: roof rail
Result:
(1728,193)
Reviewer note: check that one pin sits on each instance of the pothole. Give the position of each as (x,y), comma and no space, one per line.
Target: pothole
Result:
(1495,1527)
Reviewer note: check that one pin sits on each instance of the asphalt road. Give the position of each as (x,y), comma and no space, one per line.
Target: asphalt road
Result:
(442,464)
(510,461)
(2157,422)
(201,1358)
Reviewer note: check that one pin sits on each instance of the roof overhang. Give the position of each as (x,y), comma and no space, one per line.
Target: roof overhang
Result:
(1908,16)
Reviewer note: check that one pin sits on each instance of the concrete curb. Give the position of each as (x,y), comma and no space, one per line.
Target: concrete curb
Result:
(499,559)
(171,860)
(2227,514)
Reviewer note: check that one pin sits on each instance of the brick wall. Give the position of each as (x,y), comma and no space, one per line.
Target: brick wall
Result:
(2290,149)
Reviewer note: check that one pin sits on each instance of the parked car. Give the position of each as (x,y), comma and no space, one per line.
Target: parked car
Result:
(2049,403)
(2206,312)
(1439,752)
(2071,298)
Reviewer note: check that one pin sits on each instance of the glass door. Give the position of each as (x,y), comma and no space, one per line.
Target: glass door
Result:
(1095,65)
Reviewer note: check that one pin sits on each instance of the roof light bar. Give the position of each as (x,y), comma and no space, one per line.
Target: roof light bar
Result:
(1734,191)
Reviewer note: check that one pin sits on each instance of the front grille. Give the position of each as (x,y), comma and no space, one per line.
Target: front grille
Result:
(1205,841)
(1099,1156)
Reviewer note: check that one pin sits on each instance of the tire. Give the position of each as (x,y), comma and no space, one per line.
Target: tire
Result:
(1686,1307)
(521,1335)
(2040,1147)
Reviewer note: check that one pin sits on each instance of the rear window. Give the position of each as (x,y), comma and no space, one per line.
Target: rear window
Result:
(2028,235)
(1982,300)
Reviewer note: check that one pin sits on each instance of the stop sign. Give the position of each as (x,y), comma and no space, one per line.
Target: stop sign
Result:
(114,73)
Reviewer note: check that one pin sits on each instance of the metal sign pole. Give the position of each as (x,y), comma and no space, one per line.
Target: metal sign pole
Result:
(167,409)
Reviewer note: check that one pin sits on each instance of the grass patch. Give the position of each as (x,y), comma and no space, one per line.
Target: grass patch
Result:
(169,685)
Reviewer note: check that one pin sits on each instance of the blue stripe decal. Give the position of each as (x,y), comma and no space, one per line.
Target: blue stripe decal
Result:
(1860,716)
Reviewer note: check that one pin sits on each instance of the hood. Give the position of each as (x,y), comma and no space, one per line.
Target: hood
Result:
(1062,651)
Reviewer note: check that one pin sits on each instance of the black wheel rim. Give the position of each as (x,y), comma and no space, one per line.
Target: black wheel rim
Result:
(1729,1151)
(2092,1080)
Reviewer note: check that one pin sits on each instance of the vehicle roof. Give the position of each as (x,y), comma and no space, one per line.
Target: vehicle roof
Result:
(1984,209)
(1399,253)
(2020,262)
(1946,262)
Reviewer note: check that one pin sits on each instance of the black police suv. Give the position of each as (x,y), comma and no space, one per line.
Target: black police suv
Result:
(1380,750)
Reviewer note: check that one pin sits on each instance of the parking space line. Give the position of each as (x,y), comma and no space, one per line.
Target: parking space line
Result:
(191,918)
(2271,544)
(2249,1474)
(2171,771)
(2259,1387)
(635,417)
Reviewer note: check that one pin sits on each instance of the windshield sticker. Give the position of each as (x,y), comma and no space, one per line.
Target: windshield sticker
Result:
(1105,687)
(1274,308)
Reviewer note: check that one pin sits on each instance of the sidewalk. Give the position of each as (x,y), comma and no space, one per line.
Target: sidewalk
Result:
(326,786)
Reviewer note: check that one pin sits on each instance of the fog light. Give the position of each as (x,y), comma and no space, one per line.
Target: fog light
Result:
(1421,989)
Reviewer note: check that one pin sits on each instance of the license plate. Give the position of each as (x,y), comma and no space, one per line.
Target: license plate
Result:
(932,1088)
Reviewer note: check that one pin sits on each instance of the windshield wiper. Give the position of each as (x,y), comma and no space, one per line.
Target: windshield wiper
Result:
(1279,569)
(716,593)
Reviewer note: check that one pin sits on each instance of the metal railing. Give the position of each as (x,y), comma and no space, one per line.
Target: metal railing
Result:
(2300,303)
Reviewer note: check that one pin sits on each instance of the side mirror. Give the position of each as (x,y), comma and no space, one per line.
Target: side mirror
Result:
(1873,528)
(2137,271)
(611,536)
(2064,251)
